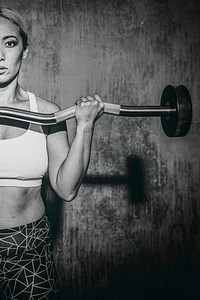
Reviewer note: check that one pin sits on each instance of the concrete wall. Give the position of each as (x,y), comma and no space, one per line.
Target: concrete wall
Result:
(133,231)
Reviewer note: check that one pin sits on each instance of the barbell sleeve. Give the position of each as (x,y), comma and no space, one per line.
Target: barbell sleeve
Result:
(145,111)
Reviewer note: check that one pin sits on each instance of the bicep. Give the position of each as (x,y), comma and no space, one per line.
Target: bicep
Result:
(58,148)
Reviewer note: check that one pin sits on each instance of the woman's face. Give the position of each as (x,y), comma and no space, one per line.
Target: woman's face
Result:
(11,51)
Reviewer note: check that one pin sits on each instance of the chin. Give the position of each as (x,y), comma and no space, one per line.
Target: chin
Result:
(6,80)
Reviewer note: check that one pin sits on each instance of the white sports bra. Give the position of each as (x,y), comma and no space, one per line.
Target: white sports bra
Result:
(24,159)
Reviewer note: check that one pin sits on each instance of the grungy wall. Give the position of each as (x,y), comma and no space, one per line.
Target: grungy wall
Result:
(133,230)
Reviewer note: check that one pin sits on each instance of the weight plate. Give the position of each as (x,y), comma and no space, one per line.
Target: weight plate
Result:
(178,123)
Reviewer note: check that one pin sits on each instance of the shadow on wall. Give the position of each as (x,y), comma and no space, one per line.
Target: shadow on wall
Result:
(134,179)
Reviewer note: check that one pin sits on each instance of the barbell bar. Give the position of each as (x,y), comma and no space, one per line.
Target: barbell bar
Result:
(175,111)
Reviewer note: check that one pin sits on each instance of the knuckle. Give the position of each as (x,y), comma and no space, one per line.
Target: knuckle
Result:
(95,102)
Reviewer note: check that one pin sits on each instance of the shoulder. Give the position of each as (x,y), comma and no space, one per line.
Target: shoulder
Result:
(46,106)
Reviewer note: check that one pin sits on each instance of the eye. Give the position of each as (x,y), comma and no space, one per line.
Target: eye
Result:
(11,44)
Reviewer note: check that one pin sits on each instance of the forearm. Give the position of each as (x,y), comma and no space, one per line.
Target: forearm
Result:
(74,167)
(68,170)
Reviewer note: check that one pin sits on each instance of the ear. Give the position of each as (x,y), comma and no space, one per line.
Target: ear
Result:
(25,53)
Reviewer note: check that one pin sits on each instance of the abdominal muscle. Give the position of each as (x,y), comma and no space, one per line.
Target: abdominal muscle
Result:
(19,206)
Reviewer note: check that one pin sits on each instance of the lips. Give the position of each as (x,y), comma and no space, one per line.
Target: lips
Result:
(2,70)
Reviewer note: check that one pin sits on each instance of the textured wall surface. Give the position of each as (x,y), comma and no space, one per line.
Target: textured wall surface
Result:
(133,230)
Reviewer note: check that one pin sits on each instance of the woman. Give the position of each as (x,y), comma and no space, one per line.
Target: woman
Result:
(27,152)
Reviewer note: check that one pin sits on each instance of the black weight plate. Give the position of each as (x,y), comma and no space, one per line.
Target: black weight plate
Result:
(178,123)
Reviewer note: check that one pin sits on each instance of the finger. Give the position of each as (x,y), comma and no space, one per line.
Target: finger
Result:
(84,99)
(97,97)
(78,101)
(101,103)
(90,98)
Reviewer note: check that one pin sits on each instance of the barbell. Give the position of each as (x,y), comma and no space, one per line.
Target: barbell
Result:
(175,111)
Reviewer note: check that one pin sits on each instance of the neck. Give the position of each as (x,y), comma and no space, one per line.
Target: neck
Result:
(9,93)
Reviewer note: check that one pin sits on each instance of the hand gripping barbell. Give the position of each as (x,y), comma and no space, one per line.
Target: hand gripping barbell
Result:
(175,112)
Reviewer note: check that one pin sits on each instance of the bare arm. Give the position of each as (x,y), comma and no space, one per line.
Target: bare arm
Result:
(68,165)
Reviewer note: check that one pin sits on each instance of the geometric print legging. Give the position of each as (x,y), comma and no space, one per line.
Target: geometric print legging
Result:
(27,270)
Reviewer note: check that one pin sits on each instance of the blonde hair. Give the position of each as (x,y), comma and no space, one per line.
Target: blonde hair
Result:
(14,17)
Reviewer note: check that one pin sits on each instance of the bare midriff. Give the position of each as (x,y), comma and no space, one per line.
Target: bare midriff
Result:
(19,206)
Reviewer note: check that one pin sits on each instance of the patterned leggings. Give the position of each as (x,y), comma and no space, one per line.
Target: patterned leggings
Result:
(27,270)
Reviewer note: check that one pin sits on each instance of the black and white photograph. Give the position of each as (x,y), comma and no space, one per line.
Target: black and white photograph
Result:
(99,150)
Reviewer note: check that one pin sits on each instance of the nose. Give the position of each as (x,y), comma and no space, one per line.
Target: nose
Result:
(2,54)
